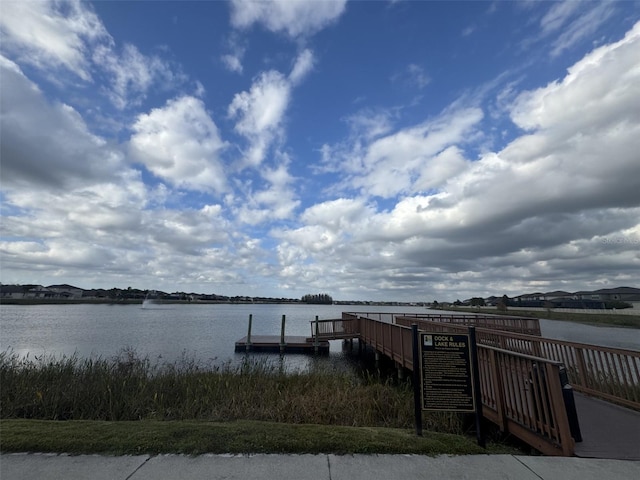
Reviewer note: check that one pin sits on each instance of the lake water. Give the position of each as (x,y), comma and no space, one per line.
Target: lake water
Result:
(206,332)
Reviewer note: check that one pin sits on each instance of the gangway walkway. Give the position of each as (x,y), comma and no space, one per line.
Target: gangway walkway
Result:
(608,430)
(527,404)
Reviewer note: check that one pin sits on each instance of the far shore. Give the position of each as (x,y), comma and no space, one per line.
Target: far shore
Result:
(605,318)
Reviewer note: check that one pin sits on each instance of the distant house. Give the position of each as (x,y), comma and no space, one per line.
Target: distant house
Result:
(39,292)
(98,293)
(11,291)
(558,294)
(66,291)
(529,297)
(491,301)
(622,294)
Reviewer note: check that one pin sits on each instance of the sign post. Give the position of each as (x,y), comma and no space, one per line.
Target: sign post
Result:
(417,389)
(476,386)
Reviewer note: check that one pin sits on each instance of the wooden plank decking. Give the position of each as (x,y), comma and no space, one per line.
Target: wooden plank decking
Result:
(272,343)
(608,430)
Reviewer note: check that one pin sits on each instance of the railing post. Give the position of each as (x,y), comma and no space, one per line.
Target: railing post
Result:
(570,405)
(316,342)
(477,394)
(582,367)
(499,390)
(567,444)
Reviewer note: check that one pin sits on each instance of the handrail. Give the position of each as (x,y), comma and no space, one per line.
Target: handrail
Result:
(521,393)
(529,326)
(330,329)
(612,374)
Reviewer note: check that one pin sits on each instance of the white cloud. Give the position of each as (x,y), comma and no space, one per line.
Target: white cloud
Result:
(413,75)
(47,143)
(52,33)
(408,160)
(598,90)
(107,229)
(133,74)
(568,23)
(260,112)
(180,143)
(232,62)
(558,15)
(303,65)
(370,123)
(558,203)
(338,215)
(293,17)
(583,27)
(542,208)
(276,200)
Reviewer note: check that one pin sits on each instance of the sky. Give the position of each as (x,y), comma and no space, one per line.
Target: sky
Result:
(371,150)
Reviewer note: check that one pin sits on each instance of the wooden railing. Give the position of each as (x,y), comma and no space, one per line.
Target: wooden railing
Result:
(331,329)
(522,394)
(527,326)
(609,373)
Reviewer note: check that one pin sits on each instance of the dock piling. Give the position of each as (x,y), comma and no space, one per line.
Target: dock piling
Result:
(248,346)
(282,342)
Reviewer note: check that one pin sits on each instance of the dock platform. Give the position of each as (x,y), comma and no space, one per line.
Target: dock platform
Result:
(271,343)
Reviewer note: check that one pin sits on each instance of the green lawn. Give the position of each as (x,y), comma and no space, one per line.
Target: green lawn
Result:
(193,437)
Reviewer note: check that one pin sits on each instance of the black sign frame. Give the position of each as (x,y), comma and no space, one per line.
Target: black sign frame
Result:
(447,382)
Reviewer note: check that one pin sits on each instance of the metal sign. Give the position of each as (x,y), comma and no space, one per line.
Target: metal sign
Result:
(447,378)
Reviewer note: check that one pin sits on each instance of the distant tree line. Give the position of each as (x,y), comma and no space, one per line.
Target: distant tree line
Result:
(318,298)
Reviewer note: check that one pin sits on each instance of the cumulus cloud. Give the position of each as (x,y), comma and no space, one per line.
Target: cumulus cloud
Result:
(57,35)
(181,144)
(133,74)
(412,207)
(47,143)
(259,112)
(303,65)
(108,230)
(52,34)
(407,161)
(295,18)
(273,199)
(544,207)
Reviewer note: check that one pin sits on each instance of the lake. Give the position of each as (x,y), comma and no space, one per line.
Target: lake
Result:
(206,332)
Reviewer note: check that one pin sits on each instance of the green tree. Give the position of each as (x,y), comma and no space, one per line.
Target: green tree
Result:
(320,299)
(503,303)
(477,302)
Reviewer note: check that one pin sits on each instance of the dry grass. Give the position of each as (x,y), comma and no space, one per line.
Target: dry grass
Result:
(128,388)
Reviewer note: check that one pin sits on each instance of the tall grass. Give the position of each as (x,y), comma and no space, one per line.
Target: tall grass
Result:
(128,387)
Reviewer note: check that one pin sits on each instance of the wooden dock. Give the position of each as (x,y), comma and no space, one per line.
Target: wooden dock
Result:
(274,344)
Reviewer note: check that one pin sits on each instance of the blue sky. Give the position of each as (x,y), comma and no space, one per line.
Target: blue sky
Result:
(370,150)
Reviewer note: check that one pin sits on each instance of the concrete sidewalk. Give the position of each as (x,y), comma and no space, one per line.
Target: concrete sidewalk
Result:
(24,466)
